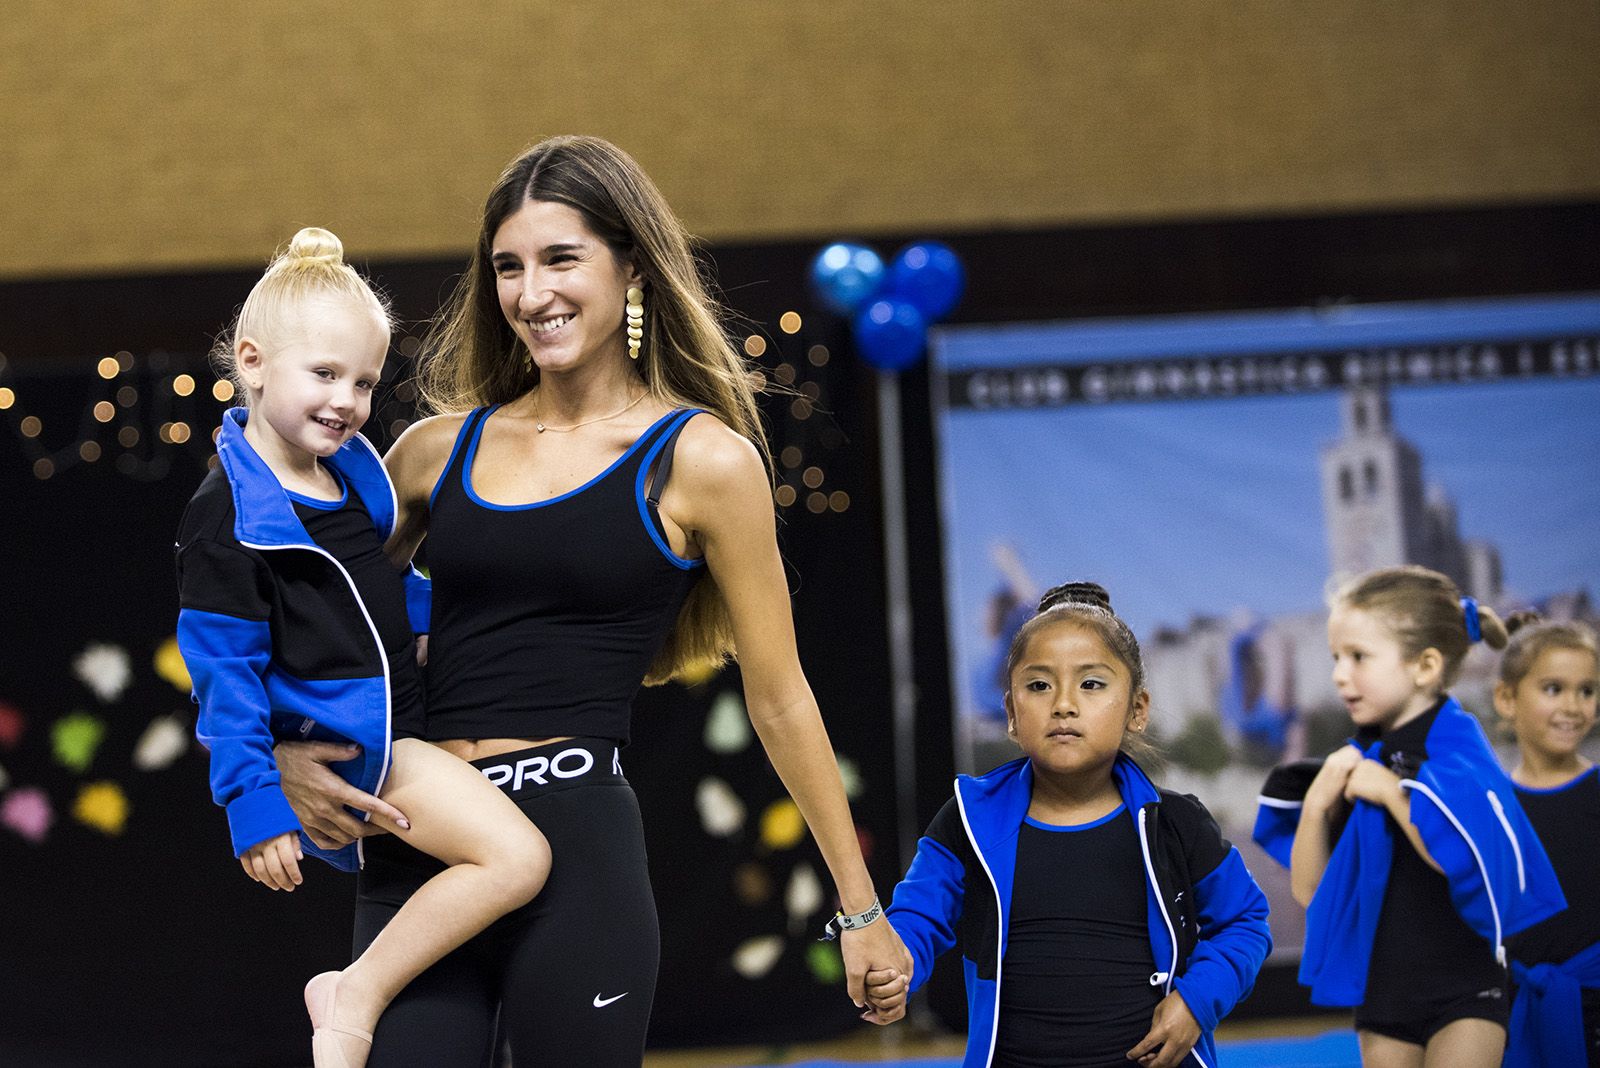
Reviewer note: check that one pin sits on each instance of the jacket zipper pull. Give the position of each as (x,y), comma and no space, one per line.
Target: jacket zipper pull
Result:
(1157,978)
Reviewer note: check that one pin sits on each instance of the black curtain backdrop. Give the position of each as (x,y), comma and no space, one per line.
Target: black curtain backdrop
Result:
(148,946)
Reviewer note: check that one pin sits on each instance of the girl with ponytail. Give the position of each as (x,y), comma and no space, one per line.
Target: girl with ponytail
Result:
(1549,677)
(1408,846)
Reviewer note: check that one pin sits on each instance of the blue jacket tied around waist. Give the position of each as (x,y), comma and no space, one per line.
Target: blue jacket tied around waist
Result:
(245,566)
(1206,917)
(1464,807)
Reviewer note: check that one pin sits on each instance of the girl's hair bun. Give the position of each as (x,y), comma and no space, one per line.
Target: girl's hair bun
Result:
(1090,593)
(1522,617)
(315,243)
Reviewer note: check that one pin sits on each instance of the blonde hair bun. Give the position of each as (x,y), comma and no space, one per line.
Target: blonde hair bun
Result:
(315,244)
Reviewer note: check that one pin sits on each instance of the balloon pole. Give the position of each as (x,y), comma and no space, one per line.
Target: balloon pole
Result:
(896,554)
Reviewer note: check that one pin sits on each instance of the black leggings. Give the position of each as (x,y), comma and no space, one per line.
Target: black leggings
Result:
(570,976)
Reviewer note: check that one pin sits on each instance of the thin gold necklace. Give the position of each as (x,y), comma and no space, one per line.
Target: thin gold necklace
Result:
(541,427)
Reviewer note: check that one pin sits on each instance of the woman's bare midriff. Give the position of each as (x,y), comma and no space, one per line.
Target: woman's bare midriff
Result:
(478,748)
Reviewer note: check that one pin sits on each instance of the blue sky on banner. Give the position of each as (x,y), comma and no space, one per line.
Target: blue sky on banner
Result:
(1204,506)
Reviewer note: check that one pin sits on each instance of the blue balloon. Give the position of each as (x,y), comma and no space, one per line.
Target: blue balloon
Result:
(891,334)
(928,274)
(845,276)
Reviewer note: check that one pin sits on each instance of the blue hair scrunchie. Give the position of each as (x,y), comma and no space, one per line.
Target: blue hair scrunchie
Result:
(1469,612)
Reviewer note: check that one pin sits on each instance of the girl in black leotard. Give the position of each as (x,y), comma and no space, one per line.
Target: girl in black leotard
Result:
(598,509)
(1549,678)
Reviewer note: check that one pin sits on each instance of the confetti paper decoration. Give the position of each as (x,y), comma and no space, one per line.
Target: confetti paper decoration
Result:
(103,806)
(104,669)
(27,811)
(803,897)
(728,727)
(75,740)
(850,772)
(826,965)
(782,826)
(11,726)
(751,884)
(164,741)
(170,666)
(721,811)
(755,958)
(700,672)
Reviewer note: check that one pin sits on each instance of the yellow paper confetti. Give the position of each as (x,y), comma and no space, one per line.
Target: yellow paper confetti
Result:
(170,666)
(782,826)
(699,672)
(103,806)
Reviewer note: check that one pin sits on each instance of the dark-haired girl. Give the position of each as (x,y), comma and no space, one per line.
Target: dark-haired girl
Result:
(1104,920)
(1549,677)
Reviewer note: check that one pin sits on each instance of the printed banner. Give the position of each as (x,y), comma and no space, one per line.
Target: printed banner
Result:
(1218,473)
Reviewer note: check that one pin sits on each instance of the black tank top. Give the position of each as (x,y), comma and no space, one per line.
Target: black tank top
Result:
(344,529)
(546,616)
(1075,987)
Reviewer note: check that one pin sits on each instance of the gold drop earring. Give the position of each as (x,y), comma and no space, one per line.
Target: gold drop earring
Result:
(635,321)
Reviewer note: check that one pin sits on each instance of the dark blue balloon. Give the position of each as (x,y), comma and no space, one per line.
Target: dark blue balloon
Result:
(845,276)
(891,334)
(928,274)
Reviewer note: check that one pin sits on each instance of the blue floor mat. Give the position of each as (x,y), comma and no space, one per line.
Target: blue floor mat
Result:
(1336,1049)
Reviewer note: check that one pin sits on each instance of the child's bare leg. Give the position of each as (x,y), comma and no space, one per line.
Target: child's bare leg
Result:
(1381,1051)
(1466,1044)
(498,862)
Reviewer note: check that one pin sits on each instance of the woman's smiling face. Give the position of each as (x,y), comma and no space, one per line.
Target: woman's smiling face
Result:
(560,287)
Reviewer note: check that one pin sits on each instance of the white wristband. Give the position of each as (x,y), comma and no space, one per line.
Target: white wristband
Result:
(841,922)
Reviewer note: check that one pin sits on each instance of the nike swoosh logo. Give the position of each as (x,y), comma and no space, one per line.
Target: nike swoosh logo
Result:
(600,1003)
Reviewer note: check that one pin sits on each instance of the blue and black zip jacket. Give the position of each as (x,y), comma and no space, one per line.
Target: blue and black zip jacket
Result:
(268,658)
(1466,810)
(1206,916)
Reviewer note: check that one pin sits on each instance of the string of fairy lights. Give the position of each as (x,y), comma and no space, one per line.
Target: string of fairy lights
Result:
(141,414)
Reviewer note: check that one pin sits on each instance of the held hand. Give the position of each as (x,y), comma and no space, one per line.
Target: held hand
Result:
(422,650)
(875,947)
(274,863)
(1375,783)
(886,996)
(1173,1033)
(318,796)
(1326,794)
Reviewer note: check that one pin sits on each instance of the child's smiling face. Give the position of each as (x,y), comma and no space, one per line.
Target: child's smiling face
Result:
(1552,708)
(1071,699)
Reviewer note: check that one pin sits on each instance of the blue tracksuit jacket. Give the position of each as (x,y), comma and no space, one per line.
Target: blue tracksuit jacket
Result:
(267,659)
(1207,918)
(1466,810)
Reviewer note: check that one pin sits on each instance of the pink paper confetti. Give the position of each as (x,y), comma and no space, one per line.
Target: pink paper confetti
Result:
(27,811)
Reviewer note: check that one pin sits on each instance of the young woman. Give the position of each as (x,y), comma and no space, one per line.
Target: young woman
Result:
(596,499)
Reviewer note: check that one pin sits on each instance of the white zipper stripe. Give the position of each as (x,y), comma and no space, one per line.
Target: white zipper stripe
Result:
(1278,802)
(383,662)
(1516,846)
(1483,869)
(999,922)
(1155,888)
